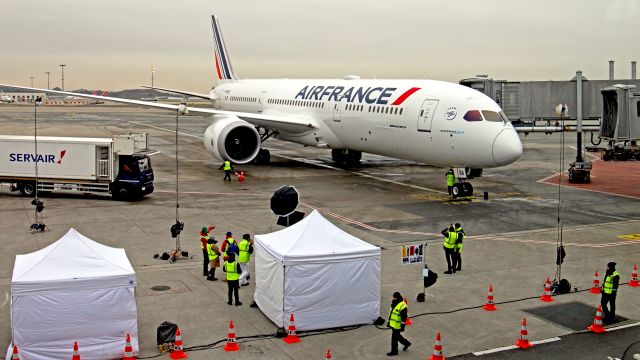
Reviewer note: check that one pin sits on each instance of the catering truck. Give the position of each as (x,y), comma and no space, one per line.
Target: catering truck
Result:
(117,166)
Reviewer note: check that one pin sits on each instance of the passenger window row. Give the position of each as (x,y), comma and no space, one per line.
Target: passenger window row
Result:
(304,103)
(243,99)
(385,110)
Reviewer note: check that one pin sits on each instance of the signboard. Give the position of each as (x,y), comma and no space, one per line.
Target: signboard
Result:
(413,254)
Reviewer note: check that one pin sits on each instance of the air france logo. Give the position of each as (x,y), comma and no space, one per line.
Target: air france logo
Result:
(451,113)
(369,95)
(41,158)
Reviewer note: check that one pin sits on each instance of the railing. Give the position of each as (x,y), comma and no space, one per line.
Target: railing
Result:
(103,168)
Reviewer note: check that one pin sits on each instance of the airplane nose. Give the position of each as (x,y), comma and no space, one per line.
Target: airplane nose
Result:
(507,147)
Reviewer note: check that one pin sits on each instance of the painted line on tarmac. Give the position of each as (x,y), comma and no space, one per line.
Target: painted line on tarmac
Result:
(163,129)
(623,326)
(317,163)
(511,347)
(366,226)
(547,242)
(210,193)
(545,181)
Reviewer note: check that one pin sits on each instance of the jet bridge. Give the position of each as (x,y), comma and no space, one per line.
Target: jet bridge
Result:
(620,122)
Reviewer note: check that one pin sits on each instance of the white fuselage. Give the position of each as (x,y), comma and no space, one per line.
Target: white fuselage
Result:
(420,120)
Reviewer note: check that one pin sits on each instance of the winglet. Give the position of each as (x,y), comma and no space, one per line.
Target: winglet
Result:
(221,55)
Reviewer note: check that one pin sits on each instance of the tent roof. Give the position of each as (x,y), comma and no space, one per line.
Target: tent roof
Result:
(314,238)
(74,256)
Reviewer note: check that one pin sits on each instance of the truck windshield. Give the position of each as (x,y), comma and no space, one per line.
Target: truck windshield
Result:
(144,164)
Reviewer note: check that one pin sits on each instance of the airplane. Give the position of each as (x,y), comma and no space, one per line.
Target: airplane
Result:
(5,98)
(432,122)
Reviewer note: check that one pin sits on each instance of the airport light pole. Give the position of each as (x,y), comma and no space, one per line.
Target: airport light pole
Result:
(152,71)
(62,67)
(31,81)
(48,73)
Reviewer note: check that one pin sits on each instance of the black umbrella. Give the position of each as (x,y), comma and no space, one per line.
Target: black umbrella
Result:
(284,200)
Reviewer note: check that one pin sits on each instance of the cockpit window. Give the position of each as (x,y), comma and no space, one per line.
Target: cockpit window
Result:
(491,116)
(473,115)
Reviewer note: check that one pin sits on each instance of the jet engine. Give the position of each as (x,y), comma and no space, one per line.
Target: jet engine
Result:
(233,139)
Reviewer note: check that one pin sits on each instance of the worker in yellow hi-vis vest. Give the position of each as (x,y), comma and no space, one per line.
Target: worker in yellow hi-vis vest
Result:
(397,321)
(228,168)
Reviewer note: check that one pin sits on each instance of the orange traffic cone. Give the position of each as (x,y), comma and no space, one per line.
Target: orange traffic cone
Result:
(327,355)
(490,306)
(595,289)
(597,327)
(231,345)
(128,349)
(409,322)
(634,277)
(15,353)
(291,338)
(178,351)
(437,349)
(76,355)
(546,297)
(523,342)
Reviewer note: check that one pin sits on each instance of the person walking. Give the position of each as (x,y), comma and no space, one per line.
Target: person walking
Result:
(228,168)
(204,238)
(232,268)
(449,244)
(609,290)
(245,248)
(213,254)
(451,180)
(458,249)
(397,321)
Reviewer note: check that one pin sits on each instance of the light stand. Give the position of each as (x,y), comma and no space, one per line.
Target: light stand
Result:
(177,228)
(38,223)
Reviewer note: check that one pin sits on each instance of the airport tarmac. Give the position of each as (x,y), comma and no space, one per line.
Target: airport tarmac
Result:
(511,242)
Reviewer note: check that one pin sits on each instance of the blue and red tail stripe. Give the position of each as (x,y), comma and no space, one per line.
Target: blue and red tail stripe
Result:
(223,65)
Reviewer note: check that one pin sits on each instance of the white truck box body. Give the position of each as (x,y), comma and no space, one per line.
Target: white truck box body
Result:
(58,157)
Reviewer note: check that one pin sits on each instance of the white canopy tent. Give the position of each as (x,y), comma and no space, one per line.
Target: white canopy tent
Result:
(324,276)
(73,290)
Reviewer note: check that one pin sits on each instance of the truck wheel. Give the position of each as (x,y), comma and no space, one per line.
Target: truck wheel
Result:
(120,194)
(28,189)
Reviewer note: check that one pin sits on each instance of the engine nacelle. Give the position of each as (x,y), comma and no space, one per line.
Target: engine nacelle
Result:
(233,139)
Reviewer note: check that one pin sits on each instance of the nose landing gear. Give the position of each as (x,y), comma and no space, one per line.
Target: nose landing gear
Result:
(462,188)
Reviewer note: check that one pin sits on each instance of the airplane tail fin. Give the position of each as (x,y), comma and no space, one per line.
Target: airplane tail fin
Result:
(221,55)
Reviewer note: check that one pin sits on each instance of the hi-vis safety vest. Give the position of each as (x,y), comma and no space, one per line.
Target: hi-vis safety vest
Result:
(211,253)
(395,320)
(244,256)
(206,238)
(607,287)
(450,241)
(451,178)
(461,236)
(227,165)
(230,269)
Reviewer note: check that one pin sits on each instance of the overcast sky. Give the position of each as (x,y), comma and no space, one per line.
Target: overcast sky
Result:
(113,44)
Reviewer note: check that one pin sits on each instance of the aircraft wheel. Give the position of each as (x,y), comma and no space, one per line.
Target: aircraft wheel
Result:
(467,189)
(456,190)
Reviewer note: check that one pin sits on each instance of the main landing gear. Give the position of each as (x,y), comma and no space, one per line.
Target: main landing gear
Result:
(263,157)
(346,157)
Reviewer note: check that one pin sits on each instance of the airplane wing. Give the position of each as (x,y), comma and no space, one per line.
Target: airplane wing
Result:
(286,124)
(182,92)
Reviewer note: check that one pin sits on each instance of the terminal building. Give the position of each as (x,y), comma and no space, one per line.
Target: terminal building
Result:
(526,102)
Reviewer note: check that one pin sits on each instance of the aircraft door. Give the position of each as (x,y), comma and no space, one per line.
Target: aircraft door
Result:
(336,112)
(425,116)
